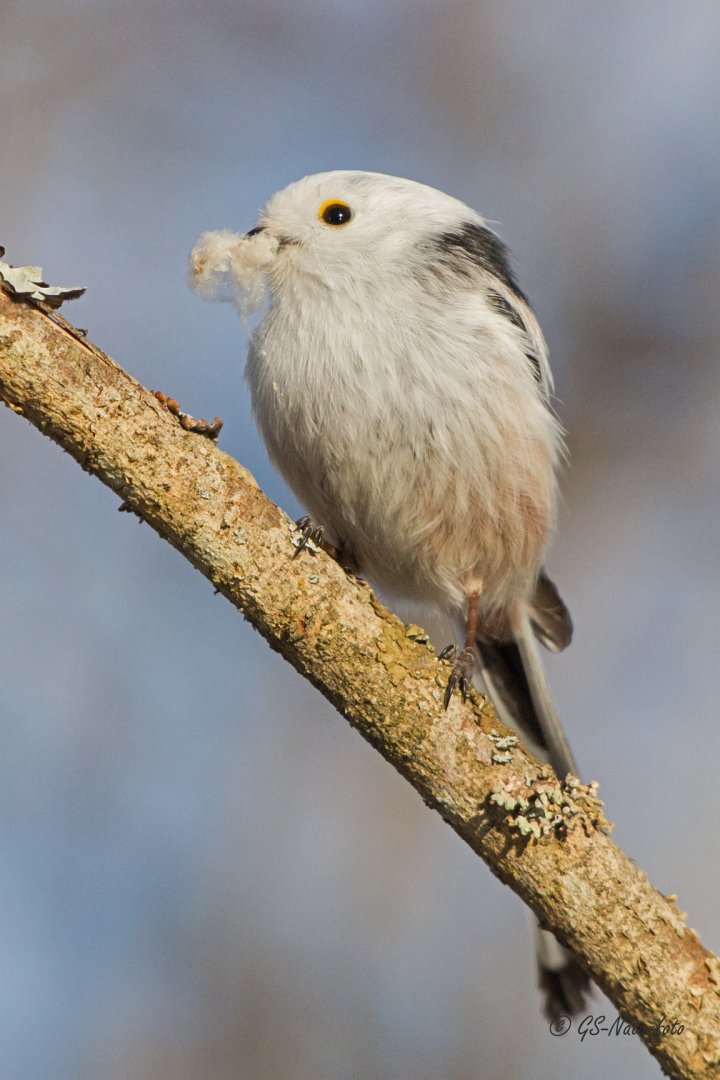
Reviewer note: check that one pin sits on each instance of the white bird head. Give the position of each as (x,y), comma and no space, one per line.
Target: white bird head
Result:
(342,228)
(350,222)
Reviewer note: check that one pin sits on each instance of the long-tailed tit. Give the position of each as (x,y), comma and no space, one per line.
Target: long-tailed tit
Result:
(401,382)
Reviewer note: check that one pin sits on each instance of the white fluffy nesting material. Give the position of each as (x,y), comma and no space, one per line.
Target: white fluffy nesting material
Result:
(230,267)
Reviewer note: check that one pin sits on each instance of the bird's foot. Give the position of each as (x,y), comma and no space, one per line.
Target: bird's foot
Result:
(462,671)
(209,428)
(315,534)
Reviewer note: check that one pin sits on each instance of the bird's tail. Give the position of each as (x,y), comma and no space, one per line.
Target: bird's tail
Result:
(514,678)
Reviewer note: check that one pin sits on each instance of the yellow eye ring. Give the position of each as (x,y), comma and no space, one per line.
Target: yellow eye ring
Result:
(334,213)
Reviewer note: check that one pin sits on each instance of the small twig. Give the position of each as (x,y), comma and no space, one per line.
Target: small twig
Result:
(210,428)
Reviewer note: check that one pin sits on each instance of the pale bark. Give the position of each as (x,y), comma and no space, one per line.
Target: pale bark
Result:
(387,684)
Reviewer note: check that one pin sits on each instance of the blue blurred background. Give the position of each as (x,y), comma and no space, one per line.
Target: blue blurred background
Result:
(204,872)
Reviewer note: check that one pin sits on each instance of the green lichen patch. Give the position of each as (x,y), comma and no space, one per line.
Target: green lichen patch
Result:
(541,806)
(504,745)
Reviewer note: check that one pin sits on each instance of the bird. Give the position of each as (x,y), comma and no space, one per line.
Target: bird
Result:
(401,383)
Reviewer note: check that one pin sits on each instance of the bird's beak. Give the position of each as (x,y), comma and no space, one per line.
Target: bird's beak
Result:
(282,241)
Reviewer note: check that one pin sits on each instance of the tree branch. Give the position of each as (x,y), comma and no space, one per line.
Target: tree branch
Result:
(379,676)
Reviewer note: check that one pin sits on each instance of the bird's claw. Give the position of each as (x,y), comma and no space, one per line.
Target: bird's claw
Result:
(461,674)
(315,534)
(309,531)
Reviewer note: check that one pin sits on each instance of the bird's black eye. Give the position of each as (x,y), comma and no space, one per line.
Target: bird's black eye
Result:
(255,231)
(335,213)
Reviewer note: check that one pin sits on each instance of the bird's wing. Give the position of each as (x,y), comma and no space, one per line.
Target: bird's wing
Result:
(473,248)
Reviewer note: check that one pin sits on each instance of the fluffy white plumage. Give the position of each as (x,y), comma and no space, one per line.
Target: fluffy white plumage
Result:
(401,383)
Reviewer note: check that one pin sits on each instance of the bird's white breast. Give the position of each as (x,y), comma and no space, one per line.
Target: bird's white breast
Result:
(413,429)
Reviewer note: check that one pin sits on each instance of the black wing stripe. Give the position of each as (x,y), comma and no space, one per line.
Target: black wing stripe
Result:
(479,246)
